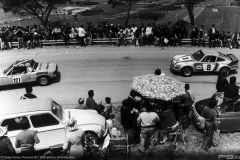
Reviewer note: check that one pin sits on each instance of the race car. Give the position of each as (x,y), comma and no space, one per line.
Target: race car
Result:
(204,61)
(24,71)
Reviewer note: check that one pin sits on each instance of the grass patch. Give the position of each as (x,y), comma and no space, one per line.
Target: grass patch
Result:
(228,143)
(149,16)
(91,12)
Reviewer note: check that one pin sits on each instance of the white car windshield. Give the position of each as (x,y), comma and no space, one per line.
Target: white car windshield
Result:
(198,55)
(58,110)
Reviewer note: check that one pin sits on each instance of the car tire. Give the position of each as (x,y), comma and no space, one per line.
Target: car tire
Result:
(186,71)
(43,80)
(93,136)
(224,69)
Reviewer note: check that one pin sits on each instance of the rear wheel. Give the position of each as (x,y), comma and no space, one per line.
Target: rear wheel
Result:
(224,70)
(186,71)
(43,80)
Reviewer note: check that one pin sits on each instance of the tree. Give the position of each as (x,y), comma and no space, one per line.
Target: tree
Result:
(190,6)
(128,4)
(39,8)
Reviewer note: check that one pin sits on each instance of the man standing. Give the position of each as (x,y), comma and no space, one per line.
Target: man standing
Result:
(210,115)
(127,120)
(221,82)
(201,38)
(26,139)
(147,121)
(19,34)
(81,34)
(211,32)
(90,102)
(28,94)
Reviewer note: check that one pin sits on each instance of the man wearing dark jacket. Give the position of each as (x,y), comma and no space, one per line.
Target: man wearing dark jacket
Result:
(127,120)
(29,94)
(231,90)
(221,82)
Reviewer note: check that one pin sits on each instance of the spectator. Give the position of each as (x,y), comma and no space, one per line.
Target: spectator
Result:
(134,28)
(229,40)
(57,32)
(6,148)
(26,139)
(211,33)
(81,104)
(147,120)
(121,38)
(7,34)
(223,39)
(81,34)
(90,103)
(210,115)
(108,105)
(74,140)
(170,122)
(189,93)
(194,35)
(177,35)
(149,34)
(221,82)
(231,91)
(201,37)
(19,34)
(143,34)
(235,40)
(65,35)
(29,94)
(127,120)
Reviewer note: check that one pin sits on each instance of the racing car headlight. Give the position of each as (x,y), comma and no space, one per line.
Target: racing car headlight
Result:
(177,66)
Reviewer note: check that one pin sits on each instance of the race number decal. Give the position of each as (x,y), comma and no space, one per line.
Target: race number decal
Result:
(209,67)
(17,79)
(198,67)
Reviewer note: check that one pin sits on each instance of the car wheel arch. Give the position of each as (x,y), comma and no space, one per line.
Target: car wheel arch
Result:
(93,134)
(225,67)
(37,79)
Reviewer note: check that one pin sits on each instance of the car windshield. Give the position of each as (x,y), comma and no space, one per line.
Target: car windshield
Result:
(8,69)
(34,64)
(58,110)
(198,55)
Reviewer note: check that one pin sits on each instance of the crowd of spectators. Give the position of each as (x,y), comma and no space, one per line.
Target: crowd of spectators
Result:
(163,35)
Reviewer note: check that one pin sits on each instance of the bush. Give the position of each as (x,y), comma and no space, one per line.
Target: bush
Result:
(149,16)
(91,12)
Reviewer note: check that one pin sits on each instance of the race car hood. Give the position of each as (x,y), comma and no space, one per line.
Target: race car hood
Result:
(85,117)
(183,58)
(46,67)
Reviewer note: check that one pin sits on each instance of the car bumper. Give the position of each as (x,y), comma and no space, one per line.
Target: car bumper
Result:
(174,69)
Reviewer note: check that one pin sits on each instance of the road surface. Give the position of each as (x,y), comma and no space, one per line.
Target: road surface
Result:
(108,70)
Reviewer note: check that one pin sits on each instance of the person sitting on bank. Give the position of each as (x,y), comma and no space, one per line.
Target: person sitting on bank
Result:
(81,104)
(231,90)
(169,121)
(90,102)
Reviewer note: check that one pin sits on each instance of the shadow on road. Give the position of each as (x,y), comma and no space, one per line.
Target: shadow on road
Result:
(57,79)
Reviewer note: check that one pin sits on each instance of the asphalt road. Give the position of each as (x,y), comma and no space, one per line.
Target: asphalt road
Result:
(108,70)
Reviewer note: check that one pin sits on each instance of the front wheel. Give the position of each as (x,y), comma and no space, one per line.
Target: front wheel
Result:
(91,138)
(186,71)
(43,80)
(224,70)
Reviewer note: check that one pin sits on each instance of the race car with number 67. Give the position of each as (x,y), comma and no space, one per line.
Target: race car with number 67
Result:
(24,71)
(204,61)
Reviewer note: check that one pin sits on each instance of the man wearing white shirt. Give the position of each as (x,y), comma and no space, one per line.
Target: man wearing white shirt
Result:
(149,33)
(81,34)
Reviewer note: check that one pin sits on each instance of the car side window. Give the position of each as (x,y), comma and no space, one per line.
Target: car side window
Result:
(210,59)
(19,70)
(14,123)
(43,120)
(219,59)
(230,108)
(237,107)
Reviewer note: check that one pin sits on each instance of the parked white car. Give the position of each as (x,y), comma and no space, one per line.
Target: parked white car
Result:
(48,118)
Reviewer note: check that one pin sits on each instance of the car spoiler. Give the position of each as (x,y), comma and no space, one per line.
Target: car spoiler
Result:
(233,57)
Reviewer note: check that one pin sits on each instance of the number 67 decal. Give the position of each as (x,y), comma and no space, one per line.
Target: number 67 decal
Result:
(17,79)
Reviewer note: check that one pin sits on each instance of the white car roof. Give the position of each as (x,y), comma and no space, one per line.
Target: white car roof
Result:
(26,105)
(210,52)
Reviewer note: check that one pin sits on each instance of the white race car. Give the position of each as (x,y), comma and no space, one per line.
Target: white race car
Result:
(24,71)
(204,61)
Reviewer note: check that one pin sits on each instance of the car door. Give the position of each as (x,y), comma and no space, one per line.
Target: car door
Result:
(16,76)
(209,63)
(50,130)
(227,118)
